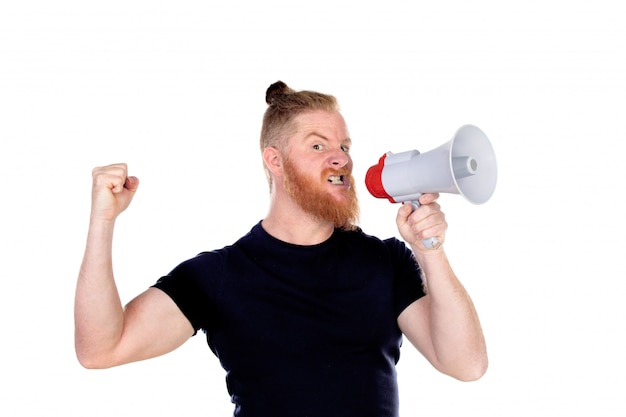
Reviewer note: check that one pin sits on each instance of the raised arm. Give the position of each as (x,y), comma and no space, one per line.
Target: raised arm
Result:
(443,325)
(106,333)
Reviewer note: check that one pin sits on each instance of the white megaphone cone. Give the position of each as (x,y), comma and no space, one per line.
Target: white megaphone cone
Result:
(464,165)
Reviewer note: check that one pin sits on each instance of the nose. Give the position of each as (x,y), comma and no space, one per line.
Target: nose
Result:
(339,159)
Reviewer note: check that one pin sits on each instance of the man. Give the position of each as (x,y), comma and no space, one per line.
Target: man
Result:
(306,312)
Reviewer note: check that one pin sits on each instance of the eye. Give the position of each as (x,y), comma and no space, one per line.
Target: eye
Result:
(345,148)
(317,147)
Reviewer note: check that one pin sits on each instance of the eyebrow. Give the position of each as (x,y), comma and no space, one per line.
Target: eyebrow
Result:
(319,135)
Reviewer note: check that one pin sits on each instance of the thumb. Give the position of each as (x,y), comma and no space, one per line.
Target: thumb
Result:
(131,184)
(405,210)
(403,214)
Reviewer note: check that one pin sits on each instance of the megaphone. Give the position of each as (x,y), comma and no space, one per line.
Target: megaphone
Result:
(465,165)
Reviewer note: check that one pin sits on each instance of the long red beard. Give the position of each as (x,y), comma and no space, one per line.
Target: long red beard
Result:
(315,200)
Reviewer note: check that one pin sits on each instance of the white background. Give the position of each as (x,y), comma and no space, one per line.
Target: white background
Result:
(176,90)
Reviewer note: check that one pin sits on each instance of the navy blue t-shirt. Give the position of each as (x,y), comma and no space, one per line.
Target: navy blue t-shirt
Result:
(302,330)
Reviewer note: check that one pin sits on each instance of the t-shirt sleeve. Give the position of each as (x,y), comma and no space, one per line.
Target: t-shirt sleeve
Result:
(186,285)
(407,273)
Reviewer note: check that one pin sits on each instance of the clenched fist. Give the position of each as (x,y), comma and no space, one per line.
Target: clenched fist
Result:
(426,222)
(112,191)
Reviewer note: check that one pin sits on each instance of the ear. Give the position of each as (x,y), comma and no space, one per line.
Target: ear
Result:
(273,160)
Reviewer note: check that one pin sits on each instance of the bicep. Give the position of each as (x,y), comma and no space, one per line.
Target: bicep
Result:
(414,322)
(153,326)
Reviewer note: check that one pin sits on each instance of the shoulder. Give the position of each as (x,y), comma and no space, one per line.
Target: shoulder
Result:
(209,260)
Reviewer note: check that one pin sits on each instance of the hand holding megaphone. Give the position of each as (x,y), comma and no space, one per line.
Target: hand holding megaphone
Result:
(464,165)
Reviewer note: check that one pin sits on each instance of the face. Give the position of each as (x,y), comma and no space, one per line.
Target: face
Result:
(318,168)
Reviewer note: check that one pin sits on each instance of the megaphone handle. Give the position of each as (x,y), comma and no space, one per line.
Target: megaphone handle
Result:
(431,242)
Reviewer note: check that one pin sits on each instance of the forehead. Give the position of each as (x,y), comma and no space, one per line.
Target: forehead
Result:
(327,124)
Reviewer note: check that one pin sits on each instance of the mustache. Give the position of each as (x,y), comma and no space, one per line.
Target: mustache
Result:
(342,175)
(336,171)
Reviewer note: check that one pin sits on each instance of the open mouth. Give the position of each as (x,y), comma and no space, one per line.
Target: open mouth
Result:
(336,179)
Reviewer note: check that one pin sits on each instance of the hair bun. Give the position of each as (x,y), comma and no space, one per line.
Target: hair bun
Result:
(276,89)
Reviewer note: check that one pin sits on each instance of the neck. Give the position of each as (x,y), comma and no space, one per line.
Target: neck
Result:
(294,225)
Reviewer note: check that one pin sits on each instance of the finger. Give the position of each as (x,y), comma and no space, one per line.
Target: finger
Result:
(428,198)
(112,177)
(436,227)
(426,217)
(424,211)
(116,181)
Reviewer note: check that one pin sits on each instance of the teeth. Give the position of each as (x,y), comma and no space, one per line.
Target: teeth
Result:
(335,179)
